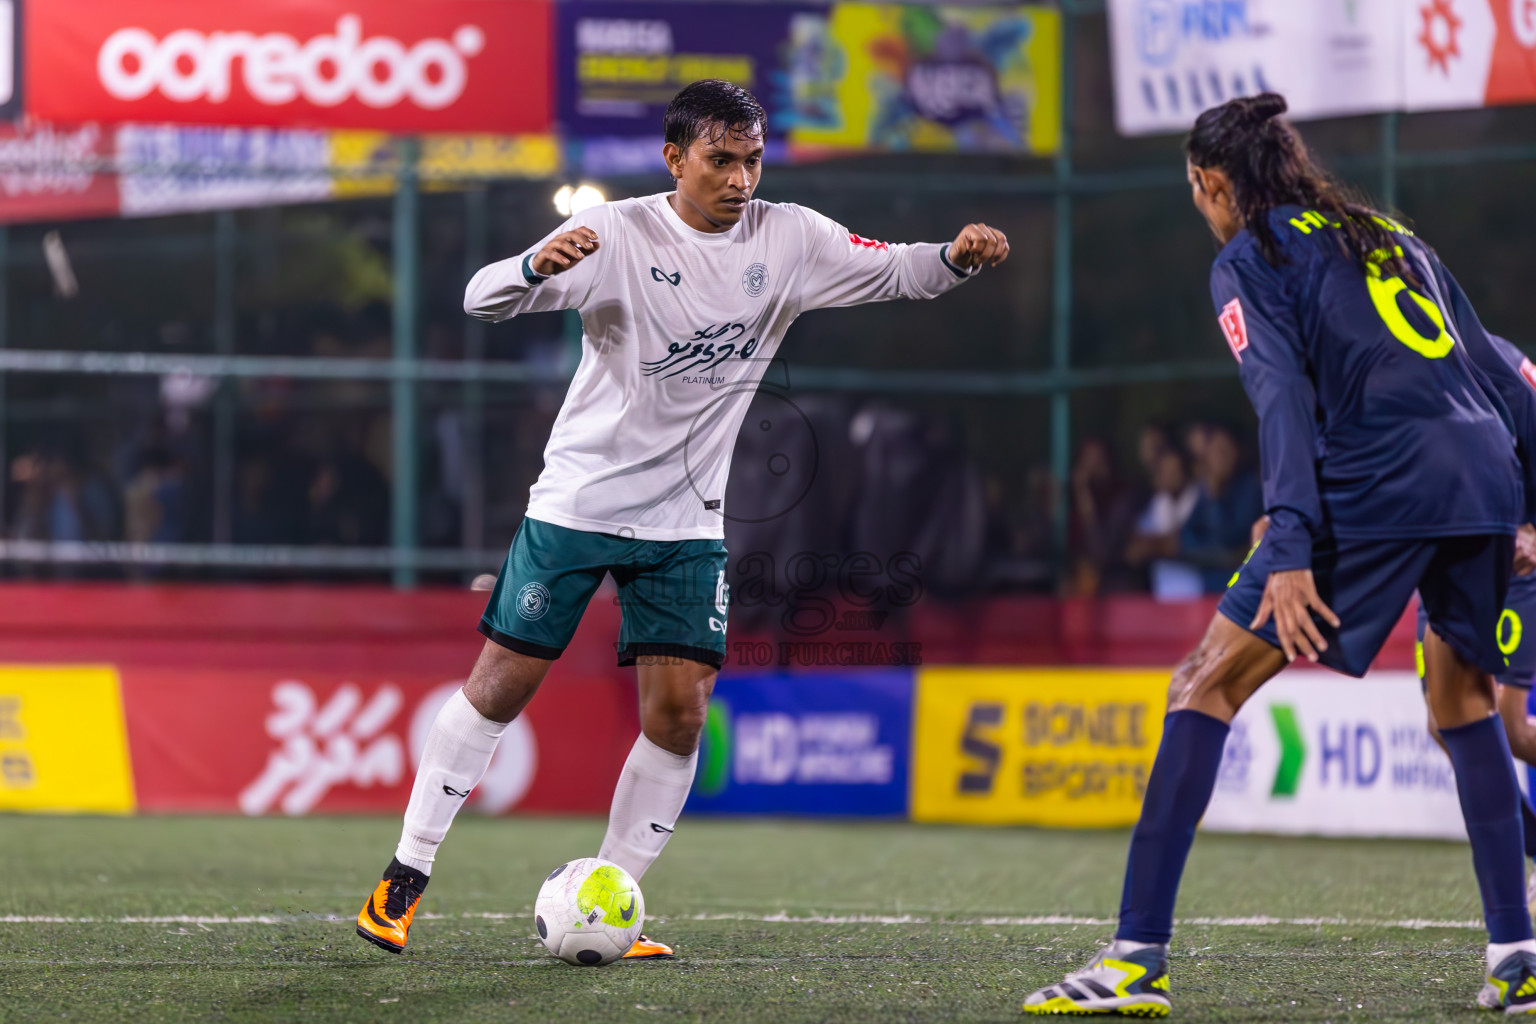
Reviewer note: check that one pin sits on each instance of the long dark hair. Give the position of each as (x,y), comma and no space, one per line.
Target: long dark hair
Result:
(1269,166)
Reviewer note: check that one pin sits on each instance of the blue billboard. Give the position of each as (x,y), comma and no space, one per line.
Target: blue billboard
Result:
(827,744)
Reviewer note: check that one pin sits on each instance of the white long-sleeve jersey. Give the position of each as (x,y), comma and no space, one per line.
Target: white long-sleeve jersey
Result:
(678,328)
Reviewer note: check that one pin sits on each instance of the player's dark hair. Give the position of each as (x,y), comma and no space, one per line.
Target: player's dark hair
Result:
(1269,166)
(712,109)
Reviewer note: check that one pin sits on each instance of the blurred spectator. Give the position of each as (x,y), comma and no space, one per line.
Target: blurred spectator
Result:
(57,501)
(1197,435)
(1216,535)
(1174,495)
(1103,512)
(348,503)
(1150,446)
(155,498)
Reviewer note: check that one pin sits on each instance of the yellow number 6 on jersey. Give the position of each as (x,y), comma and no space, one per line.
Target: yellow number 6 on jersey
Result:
(1384,292)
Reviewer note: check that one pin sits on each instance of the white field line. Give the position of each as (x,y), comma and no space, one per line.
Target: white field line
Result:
(1414,924)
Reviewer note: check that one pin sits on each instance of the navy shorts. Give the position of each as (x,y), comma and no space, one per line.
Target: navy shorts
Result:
(1519,656)
(1461,582)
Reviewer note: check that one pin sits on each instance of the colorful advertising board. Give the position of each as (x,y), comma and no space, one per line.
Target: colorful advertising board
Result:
(445,66)
(825,744)
(1059,747)
(1313,753)
(62,742)
(928,79)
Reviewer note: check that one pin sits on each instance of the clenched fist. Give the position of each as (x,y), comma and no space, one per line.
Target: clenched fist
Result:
(978,246)
(564,251)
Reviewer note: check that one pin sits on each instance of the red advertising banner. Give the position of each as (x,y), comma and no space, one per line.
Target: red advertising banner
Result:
(413,66)
(262,742)
(56,173)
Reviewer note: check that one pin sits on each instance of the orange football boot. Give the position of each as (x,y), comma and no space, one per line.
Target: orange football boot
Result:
(648,949)
(385,919)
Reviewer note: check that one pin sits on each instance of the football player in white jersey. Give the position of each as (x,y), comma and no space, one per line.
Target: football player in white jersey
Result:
(684,297)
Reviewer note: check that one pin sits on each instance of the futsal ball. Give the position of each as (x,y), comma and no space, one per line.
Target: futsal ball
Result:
(589,912)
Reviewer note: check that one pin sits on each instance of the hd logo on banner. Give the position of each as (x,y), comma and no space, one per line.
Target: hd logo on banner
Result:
(1317,754)
(1061,747)
(834,744)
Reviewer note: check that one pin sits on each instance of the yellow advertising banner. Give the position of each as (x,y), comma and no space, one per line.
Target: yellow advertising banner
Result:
(364,162)
(63,744)
(1061,747)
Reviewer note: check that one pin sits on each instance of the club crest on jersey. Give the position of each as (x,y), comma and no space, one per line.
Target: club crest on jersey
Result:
(754,281)
(1235,328)
(867,243)
(532,601)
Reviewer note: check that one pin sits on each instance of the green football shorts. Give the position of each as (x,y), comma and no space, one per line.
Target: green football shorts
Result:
(673,593)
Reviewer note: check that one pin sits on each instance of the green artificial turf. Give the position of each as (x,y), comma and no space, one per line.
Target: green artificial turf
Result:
(878,922)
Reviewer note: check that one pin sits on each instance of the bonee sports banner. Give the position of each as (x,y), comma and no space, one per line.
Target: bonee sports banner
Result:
(444,65)
(1061,747)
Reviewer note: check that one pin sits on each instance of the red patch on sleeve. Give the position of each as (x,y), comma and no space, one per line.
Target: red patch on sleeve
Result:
(1528,371)
(868,243)
(1234,327)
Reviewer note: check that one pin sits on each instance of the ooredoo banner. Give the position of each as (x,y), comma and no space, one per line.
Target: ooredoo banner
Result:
(444,65)
(262,743)
(1059,747)
(823,744)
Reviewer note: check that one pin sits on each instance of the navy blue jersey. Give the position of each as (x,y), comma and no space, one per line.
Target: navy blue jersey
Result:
(1385,411)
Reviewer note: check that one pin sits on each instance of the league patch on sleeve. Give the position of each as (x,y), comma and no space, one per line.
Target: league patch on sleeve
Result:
(1235,328)
(1528,371)
(867,243)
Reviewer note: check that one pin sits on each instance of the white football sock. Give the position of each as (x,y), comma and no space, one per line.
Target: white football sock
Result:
(457,753)
(1497,951)
(1120,947)
(650,795)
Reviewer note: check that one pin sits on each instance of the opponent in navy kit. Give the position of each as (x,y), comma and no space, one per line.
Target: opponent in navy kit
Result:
(1395,445)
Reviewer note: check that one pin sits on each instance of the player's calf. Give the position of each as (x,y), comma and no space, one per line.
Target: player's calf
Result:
(1126,978)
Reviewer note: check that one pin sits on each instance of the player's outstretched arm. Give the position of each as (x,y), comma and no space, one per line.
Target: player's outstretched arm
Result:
(557,273)
(844,269)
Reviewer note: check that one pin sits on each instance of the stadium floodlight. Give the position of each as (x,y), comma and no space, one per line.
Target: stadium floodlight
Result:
(572,199)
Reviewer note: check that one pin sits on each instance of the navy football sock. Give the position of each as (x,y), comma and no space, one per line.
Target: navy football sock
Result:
(1527,823)
(1490,803)
(1178,791)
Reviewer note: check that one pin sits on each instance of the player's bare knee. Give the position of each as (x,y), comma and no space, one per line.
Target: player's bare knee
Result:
(1191,680)
(503,682)
(675,727)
